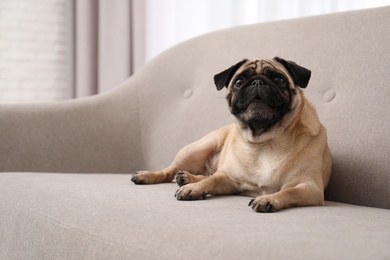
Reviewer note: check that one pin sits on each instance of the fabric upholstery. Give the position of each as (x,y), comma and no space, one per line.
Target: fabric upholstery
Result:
(61,199)
(101,216)
(98,134)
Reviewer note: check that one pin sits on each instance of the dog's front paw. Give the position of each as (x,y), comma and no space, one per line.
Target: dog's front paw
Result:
(140,177)
(264,204)
(190,192)
(182,178)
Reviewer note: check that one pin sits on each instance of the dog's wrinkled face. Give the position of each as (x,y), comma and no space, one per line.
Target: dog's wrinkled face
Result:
(261,91)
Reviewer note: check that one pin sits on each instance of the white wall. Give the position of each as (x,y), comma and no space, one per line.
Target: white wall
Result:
(33,50)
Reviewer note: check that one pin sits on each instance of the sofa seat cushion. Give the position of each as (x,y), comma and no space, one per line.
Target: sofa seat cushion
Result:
(105,216)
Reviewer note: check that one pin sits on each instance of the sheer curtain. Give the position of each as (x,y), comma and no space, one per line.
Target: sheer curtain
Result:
(107,43)
(172,21)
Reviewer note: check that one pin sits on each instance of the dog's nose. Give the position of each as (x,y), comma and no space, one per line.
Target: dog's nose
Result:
(257,82)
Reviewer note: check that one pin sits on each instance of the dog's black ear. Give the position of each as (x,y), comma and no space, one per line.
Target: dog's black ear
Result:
(222,79)
(300,75)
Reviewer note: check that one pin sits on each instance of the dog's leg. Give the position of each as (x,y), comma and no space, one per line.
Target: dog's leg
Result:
(300,195)
(147,177)
(217,184)
(193,158)
(183,177)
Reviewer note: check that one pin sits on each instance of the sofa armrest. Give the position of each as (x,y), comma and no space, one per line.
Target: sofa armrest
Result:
(95,134)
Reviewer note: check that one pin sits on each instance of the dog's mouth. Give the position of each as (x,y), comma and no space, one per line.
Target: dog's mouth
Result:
(256,102)
(257,99)
(265,95)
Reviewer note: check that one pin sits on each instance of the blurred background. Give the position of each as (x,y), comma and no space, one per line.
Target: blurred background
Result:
(53,50)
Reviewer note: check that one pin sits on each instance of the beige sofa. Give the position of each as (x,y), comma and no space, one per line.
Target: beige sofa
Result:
(65,190)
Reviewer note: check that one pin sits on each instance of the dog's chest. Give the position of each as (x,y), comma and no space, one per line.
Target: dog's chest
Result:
(258,172)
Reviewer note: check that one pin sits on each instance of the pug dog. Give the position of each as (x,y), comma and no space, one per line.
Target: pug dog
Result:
(276,151)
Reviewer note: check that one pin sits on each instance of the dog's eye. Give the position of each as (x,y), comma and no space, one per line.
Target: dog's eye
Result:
(238,83)
(279,81)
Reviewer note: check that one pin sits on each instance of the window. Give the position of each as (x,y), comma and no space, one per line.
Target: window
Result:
(33,50)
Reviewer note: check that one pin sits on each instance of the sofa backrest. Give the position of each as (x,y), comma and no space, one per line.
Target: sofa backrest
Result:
(349,56)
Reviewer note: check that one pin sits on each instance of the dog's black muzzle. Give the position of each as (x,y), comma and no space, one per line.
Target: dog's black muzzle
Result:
(260,90)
